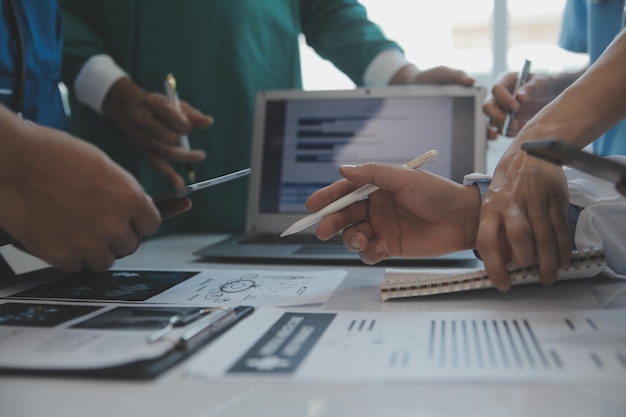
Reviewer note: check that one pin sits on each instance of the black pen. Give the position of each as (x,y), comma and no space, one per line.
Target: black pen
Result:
(170,89)
(522,77)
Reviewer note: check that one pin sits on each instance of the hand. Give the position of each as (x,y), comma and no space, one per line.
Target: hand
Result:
(410,74)
(524,218)
(68,203)
(414,214)
(154,126)
(531,97)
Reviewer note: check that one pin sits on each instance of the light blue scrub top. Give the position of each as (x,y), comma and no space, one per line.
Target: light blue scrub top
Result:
(590,26)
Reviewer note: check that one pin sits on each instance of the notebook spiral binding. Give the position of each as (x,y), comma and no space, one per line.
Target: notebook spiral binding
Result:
(410,285)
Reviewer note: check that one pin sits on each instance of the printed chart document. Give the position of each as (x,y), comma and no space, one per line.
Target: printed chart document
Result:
(582,346)
(202,287)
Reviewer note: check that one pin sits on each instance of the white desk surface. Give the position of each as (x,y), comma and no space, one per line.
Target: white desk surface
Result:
(176,393)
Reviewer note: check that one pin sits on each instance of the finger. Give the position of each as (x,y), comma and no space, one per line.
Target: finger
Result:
(545,242)
(125,244)
(493,253)
(387,177)
(621,188)
(332,224)
(169,115)
(443,75)
(560,224)
(146,218)
(454,76)
(63,257)
(492,134)
(504,98)
(166,170)
(179,154)
(99,259)
(66,265)
(374,253)
(519,235)
(357,237)
(495,115)
(173,207)
(154,130)
(196,117)
(326,195)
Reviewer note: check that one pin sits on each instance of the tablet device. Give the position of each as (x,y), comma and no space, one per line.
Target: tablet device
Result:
(560,153)
(200,185)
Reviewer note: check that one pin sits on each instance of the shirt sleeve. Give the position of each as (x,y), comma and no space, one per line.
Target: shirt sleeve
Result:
(573,36)
(340,31)
(382,68)
(602,221)
(95,79)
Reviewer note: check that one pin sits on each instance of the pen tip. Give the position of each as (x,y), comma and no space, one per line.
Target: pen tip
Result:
(285,233)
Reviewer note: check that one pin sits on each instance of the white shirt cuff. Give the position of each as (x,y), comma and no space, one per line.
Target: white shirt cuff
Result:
(383,67)
(473,178)
(95,79)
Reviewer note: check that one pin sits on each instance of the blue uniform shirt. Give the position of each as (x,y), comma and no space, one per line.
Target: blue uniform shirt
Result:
(40,28)
(590,26)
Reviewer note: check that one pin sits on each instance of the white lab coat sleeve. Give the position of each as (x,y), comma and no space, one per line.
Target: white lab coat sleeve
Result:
(602,222)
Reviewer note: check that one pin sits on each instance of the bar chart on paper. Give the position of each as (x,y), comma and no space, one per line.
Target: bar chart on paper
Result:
(558,347)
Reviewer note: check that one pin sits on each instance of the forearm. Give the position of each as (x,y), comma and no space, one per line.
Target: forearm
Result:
(590,106)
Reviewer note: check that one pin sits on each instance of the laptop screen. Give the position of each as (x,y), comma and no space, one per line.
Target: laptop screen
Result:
(305,139)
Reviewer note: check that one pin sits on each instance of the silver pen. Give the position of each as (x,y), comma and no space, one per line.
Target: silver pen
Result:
(170,89)
(522,77)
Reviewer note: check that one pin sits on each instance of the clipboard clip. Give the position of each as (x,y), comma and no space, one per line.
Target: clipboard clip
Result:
(215,320)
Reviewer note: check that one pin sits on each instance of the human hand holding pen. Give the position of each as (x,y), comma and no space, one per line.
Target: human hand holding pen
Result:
(353,197)
(531,97)
(154,126)
(413,214)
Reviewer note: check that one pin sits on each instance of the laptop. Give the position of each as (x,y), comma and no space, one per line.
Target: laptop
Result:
(301,137)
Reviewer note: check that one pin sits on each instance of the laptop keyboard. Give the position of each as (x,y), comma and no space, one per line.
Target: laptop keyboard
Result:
(297,239)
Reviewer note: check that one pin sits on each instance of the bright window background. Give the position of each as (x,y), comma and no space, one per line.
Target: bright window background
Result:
(462,34)
(482,37)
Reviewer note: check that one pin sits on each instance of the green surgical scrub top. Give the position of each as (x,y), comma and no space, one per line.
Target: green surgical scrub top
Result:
(222,53)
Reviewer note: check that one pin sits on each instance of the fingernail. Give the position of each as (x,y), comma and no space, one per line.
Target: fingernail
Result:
(380,248)
(354,242)
(348,167)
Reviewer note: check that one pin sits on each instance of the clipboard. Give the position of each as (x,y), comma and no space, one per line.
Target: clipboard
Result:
(197,331)
(200,185)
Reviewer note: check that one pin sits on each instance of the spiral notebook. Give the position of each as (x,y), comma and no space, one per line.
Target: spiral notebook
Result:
(400,284)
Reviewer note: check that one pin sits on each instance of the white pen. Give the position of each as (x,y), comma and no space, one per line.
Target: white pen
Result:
(350,198)
(522,77)
(170,89)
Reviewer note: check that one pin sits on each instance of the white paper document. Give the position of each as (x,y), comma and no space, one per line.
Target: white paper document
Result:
(203,287)
(556,346)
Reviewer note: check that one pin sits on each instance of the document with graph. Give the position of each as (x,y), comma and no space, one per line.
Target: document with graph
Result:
(583,346)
